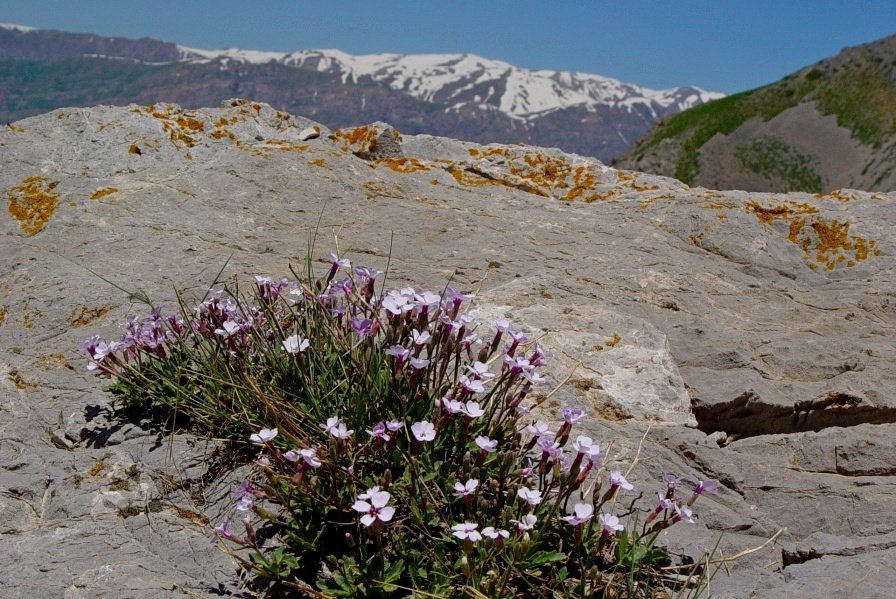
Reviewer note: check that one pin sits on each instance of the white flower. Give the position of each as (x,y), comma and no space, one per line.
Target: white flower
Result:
(467,531)
(582,513)
(539,429)
(496,534)
(230,327)
(480,370)
(617,480)
(337,428)
(530,496)
(369,492)
(610,523)
(375,509)
(465,489)
(295,344)
(423,431)
(263,436)
(486,444)
(472,409)
(583,444)
(527,522)
(420,338)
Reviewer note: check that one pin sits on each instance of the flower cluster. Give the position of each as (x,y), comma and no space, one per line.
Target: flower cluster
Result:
(404,455)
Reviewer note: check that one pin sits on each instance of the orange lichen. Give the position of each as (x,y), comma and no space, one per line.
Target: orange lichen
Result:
(318,162)
(3,311)
(825,243)
(221,134)
(87,315)
(360,141)
(57,359)
(837,194)
(178,126)
(134,149)
(102,192)
(284,145)
(12,127)
(32,202)
(404,165)
(19,382)
(377,188)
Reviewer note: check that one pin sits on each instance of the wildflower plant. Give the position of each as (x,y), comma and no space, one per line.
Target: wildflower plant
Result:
(393,448)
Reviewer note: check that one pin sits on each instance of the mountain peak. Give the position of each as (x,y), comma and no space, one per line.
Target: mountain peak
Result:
(460,80)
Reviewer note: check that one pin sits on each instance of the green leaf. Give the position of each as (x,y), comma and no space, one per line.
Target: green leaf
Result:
(541,558)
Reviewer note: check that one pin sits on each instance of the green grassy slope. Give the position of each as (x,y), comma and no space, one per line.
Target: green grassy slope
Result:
(857,86)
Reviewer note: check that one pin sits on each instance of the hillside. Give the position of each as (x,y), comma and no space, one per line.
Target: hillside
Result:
(746,338)
(827,126)
(457,95)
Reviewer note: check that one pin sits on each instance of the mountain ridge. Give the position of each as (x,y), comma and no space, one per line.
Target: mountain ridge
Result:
(831,124)
(454,95)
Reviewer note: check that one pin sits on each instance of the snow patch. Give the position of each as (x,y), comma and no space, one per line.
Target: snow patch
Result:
(455,79)
(14,27)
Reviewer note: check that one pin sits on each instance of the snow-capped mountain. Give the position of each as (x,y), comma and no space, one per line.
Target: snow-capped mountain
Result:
(463,96)
(458,80)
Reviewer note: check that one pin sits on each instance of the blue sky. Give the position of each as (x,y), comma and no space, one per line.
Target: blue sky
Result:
(723,45)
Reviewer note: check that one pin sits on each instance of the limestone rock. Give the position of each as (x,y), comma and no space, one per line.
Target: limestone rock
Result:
(767,320)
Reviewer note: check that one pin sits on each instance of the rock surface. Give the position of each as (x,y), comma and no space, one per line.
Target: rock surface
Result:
(748,338)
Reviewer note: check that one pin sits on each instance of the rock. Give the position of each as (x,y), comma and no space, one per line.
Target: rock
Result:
(374,141)
(766,321)
(307,133)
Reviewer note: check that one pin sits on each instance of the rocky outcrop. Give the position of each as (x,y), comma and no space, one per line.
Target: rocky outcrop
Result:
(827,126)
(748,338)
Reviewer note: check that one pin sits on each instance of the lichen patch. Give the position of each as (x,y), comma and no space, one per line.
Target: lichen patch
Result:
(32,203)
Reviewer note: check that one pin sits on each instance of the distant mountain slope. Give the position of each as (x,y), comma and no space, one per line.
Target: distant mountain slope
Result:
(827,126)
(457,95)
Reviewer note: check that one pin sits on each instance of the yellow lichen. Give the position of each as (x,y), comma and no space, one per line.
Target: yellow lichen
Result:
(404,165)
(825,243)
(18,381)
(32,203)
(3,311)
(318,162)
(612,342)
(87,315)
(102,192)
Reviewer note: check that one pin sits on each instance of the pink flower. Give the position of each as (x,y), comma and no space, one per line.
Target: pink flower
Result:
(465,489)
(467,531)
(337,428)
(582,512)
(420,338)
(617,480)
(495,534)
(485,444)
(472,409)
(480,370)
(423,431)
(379,431)
(376,509)
(474,386)
(610,523)
(683,512)
(526,522)
(264,436)
(295,344)
(539,429)
(530,496)
(572,415)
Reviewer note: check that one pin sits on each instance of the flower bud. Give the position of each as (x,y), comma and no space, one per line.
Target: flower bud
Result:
(483,355)
(465,563)
(349,540)
(387,478)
